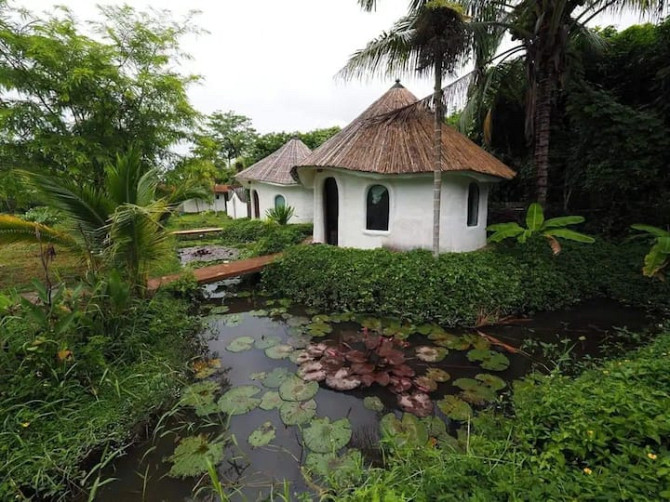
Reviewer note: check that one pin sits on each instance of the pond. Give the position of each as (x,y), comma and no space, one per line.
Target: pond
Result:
(291,394)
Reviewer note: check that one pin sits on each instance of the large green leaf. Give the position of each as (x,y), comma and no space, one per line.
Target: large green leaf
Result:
(657,258)
(563,221)
(279,351)
(270,400)
(192,454)
(297,412)
(322,436)
(571,235)
(263,435)
(534,217)
(275,378)
(343,469)
(240,344)
(504,231)
(13,229)
(295,389)
(655,231)
(200,396)
(410,431)
(455,408)
(239,400)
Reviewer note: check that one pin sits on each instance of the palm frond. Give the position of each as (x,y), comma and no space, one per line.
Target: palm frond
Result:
(13,229)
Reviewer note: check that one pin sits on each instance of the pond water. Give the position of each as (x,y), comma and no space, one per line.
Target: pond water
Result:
(255,343)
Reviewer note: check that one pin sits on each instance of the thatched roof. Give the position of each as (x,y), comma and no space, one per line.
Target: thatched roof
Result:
(401,143)
(276,167)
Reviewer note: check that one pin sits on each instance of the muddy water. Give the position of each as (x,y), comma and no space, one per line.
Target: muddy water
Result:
(257,473)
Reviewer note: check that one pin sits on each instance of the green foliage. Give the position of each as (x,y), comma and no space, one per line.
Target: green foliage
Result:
(551,229)
(458,288)
(77,374)
(267,144)
(658,256)
(194,454)
(72,102)
(603,433)
(280,214)
(43,215)
(223,138)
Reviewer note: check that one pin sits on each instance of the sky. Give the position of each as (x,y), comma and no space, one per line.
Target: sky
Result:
(275,61)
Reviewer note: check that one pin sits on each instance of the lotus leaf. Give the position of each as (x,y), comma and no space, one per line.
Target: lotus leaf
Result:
(277,312)
(431,354)
(240,344)
(343,469)
(270,400)
(219,309)
(417,403)
(474,391)
(279,351)
(296,389)
(398,330)
(296,412)
(322,436)
(258,313)
(239,400)
(266,342)
(373,403)
(275,378)
(343,317)
(458,343)
(297,321)
(490,359)
(191,456)
(201,397)
(437,375)
(372,323)
(232,320)
(318,329)
(436,428)
(263,435)
(477,341)
(409,431)
(425,384)
(455,408)
(260,376)
(494,382)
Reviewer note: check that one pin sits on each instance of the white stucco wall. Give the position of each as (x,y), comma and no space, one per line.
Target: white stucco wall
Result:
(236,208)
(200,206)
(410,210)
(298,197)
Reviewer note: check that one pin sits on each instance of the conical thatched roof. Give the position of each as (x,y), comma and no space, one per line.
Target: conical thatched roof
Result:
(401,143)
(276,167)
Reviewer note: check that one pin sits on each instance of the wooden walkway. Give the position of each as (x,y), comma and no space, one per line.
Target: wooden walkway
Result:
(197,231)
(215,273)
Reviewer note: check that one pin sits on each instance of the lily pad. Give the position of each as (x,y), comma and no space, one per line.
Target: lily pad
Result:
(425,384)
(204,368)
(490,359)
(192,454)
(263,435)
(372,323)
(343,469)
(200,396)
(258,313)
(342,379)
(270,400)
(437,375)
(296,412)
(219,309)
(240,344)
(474,391)
(398,330)
(322,436)
(436,427)
(418,403)
(431,354)
(232,320)
(297,321)
(409,431)
(260,376)
(343,317)
(455,408)
(275,378)
(373,403)
(494,382)
(296,389)
(279,351)
(478,342)
(319,328)
(321,318)
(267,341)
(239,400)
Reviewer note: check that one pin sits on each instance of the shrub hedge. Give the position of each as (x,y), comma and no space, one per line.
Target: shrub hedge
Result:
(602,436)
(456,288)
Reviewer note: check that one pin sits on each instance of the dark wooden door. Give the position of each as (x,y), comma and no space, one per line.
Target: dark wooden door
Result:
(331,210)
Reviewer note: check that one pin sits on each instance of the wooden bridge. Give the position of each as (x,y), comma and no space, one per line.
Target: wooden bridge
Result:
(215,273)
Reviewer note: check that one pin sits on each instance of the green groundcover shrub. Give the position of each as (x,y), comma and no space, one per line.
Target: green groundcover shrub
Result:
(77,378)
(459,288)
(602,436)
(263,237)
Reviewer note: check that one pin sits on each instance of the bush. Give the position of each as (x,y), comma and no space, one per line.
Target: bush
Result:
(457,288)
(602,436)
(44,215)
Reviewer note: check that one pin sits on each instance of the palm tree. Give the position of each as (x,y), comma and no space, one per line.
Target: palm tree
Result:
(118,224)
(544,29)
(433,38)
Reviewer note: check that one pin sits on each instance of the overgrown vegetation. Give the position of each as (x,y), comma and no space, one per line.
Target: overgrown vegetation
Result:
(78,371)
(601,436)
(460,288)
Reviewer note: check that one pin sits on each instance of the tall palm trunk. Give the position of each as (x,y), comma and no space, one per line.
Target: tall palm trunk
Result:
(542,136)
(437,146)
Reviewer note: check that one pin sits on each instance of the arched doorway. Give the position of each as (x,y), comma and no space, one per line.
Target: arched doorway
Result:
(257,205)
(331,211)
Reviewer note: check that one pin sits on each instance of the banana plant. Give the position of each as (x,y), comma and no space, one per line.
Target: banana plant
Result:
(658,256)
(551,229)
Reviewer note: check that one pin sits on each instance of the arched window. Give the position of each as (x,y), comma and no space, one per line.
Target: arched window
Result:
(280,201)
(377,208)
(473,205)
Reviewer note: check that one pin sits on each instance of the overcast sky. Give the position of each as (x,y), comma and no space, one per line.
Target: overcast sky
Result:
(274,61)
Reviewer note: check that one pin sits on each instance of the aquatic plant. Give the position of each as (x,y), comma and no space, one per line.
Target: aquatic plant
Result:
(239,400)
(192,454)
(267,341)
(275,378)
(342,469)
(373,403)
(297,412)
(270,401)
(295,389)
(240,344)
(279,351)
(324,436)
(200,396)
(431,354)
(203,368)
(455,408)
(263,435)
(490,359)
